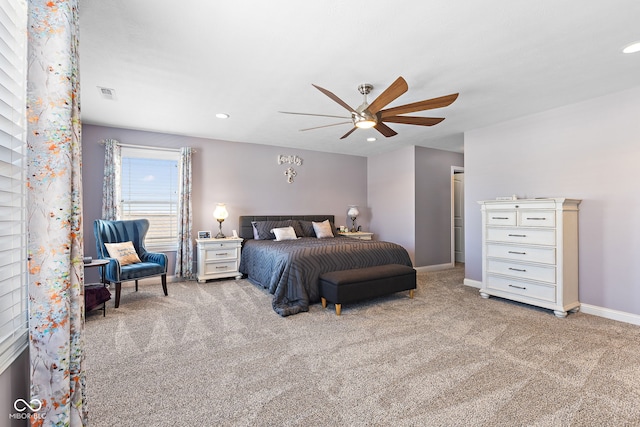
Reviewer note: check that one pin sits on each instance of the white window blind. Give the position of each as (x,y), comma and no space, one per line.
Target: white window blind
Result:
(13,241)
(150,190)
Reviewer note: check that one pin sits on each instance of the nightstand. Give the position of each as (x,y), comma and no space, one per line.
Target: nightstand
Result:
(96,294)
(362,235)
(218,258)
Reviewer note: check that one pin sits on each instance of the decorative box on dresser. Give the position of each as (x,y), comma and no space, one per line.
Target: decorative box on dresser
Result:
(218,258)
(530,252)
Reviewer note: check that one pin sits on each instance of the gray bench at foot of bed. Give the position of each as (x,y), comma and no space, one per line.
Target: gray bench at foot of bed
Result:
(340,287)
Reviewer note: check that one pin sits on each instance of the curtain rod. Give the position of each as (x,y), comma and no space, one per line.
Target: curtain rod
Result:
(145,147)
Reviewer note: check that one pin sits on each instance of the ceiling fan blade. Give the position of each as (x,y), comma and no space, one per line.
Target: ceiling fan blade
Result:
(408,120)
(385,130)
(335,98)
(427,104)
(396,89)
(311,114)
(348,133)
(326,126)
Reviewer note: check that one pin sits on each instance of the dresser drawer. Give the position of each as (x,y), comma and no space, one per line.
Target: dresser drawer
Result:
(526,236)
(537,218)
(501,218)
(497,205)
(537,291)
(522,253)
(220,254)
(522,271)
(220,267)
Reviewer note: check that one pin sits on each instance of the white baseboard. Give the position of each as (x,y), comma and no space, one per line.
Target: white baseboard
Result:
(608,313)
(434,267)
(594,310)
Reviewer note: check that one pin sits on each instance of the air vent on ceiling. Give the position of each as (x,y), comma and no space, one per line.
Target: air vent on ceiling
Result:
(107,93)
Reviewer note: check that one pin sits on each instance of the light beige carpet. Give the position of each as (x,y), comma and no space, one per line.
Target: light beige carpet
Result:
(217,354)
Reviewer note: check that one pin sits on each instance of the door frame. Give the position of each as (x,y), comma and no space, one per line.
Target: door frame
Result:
(454,170)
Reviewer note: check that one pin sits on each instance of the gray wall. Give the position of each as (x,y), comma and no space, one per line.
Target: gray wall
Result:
(588,151)
(410,199)
(391,195)
(14,384)
(433,205)
(246,177)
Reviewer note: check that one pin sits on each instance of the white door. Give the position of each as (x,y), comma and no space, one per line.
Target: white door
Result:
(458,216)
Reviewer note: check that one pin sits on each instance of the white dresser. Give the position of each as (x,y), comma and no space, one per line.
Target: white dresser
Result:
(218,258)
(530,252)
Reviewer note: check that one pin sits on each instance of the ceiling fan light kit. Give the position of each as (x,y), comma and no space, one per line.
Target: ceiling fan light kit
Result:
(372,115)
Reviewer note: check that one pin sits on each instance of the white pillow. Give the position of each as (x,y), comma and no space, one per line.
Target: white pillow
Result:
(322,229)
(123,252)
(284,233)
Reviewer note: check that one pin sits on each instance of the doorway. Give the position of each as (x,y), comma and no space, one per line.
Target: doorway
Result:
(457,215)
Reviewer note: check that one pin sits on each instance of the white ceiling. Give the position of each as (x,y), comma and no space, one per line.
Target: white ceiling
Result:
(174,65)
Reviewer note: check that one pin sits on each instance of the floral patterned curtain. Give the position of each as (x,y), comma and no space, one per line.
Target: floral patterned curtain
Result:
(184,255)
(111,183)
(55,240)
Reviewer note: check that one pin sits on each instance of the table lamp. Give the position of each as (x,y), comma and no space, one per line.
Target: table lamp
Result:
(353,213)
(220,214)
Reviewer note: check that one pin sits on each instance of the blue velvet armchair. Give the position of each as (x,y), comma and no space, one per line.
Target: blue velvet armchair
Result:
(152,264)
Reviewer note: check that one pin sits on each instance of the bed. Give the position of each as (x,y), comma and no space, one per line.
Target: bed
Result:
(290,269)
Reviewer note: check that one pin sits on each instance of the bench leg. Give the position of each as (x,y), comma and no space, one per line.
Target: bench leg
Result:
(324,302)
(338,309)
(411,293)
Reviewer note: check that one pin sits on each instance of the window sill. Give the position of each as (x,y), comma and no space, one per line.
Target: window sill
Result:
(161,248)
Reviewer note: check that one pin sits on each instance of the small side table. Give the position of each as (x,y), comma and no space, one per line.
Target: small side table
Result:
(97,293)
(218,258)
(362,235)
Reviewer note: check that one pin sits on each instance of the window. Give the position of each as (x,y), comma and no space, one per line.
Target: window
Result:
(149,189)
(13,237)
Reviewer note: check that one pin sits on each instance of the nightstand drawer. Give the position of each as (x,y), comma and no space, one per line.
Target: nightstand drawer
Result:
(522,271)
(522,253)
(517,235)
(220,267)
(537,218)
(220,254)
(537,291)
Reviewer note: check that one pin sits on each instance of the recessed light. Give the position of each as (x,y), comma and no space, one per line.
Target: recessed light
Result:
(222,115)
(632,48)
(371,139)
(107,93)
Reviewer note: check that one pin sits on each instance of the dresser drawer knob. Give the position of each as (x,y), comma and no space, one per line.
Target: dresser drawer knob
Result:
(517,287)
(517,235)
(517,269)
(517,253)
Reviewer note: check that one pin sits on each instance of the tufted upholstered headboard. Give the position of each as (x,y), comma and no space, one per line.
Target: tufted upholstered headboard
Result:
(246,230)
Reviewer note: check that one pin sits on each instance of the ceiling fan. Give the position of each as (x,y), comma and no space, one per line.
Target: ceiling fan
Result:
(373,116)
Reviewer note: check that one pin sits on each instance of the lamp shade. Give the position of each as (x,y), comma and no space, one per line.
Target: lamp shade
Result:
(220,213)
(353,211)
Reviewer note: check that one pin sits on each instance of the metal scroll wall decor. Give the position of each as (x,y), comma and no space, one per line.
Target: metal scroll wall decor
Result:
(290,172)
